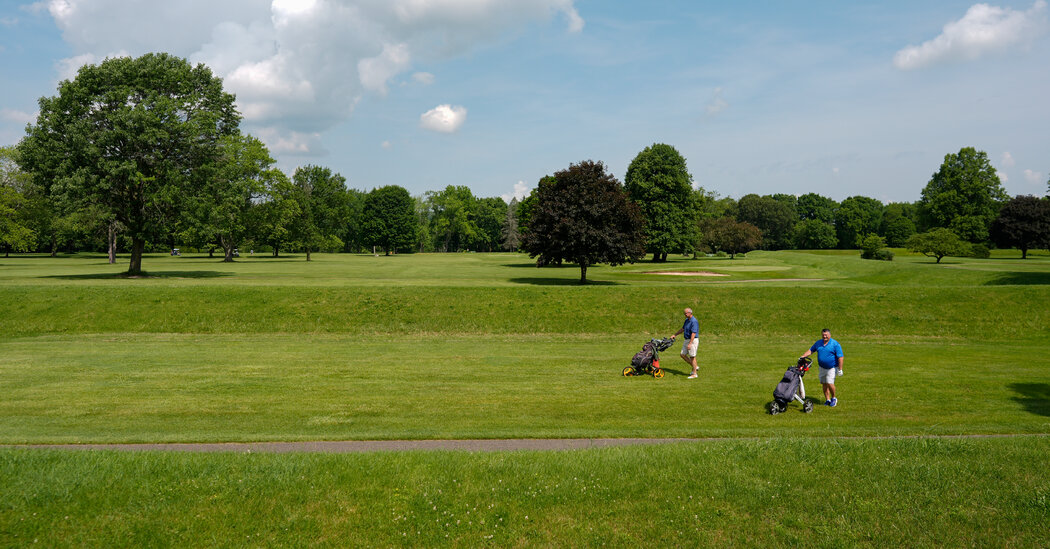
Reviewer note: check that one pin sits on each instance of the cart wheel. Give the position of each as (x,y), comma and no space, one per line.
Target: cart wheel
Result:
(773,408)
(658,373)
(628,371)
(807,407)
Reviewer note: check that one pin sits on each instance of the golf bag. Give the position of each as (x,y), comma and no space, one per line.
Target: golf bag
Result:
(647,361)
(791,388)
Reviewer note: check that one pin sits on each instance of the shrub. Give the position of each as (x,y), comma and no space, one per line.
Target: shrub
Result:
(980,251)
(884,254)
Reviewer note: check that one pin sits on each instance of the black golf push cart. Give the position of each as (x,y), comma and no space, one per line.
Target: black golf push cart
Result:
(791,388)
(647,361)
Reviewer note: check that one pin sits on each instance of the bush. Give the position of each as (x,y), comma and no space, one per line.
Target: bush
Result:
(874,247)
(885,254)
(980,251)
(721,254)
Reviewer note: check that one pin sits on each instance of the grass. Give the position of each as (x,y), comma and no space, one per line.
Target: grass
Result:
(903,492)
(488,346)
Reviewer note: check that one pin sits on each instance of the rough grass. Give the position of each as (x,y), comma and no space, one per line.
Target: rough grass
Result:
(474,345)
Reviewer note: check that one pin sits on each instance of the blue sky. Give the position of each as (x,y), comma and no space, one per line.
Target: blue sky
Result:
(839,98)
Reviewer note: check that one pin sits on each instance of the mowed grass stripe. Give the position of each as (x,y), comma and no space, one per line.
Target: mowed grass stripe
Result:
(908,493)
(251,387)
(997,313)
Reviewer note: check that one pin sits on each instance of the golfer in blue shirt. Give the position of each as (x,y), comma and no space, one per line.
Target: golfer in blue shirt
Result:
(691,330)
(829,358)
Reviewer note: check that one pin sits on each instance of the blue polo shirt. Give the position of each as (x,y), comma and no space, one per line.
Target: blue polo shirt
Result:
(827,354)
(691,326)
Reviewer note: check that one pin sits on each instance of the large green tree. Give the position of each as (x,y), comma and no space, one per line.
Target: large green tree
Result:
(815,206)
(584,216)
(1023,223)
(658,181)
(453,218)
(775,218)
(389,219)
(322,199)
(964,195)
(814,234)
(222,214)
(898,223)
(728,235)
(133,136)
(856,217)
(277,213)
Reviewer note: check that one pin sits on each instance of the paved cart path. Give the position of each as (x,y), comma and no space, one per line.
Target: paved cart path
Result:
(469,445)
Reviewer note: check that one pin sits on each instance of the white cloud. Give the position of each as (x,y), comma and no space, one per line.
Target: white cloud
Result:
(376,71)
(1007,160)
(443,118)
(717,103)
(984,29)
(386,145)
(424,78)
(1003,178)
(298,67)
(521,190)
(1033,177)
(17,117)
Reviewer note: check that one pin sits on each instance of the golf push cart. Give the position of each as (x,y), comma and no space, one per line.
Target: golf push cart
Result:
(791,388)
(647,361)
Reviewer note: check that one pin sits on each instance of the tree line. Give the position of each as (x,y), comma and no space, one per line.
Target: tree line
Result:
(146,154)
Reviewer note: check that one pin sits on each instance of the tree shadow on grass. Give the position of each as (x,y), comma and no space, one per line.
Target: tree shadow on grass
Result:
(562,282)
(160,275)
(1020,278)
(1035,397)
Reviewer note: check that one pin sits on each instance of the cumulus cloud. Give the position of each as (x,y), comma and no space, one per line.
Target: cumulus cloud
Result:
(1033,177)
(443,118)
(521,190)
(299,67)
(983,30)
(1007,160)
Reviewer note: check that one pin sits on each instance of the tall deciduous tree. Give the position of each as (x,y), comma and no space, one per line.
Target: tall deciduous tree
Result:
(1023,223)
(584,216)
(855,217)
(389,219)
(814,234)
(659,182)
(775,218)
(132,136)
(222,213)
(322,200)
(815,206)
(726,234)
(964,195)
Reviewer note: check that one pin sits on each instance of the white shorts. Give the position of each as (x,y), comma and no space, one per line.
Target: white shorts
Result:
(690,349)
(827,375)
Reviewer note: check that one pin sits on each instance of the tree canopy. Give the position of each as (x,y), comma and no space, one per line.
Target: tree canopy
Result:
(964,195)
(938,243)
(389,219)
(775,218)
(132,136)
(1024,223)
(659,182)
(583,216)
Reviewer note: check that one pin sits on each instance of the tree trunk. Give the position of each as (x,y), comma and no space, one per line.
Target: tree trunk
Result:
(308,253)
(583,273)
(111,239)
(1024,253)
(211,253)
(137,245)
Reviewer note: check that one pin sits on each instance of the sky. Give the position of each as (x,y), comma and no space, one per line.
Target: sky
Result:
(837,98)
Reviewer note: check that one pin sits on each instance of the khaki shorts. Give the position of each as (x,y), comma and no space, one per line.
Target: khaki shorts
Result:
(827,375)
(690,349)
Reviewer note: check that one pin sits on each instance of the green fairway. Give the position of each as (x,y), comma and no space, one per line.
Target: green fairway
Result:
(488,346)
